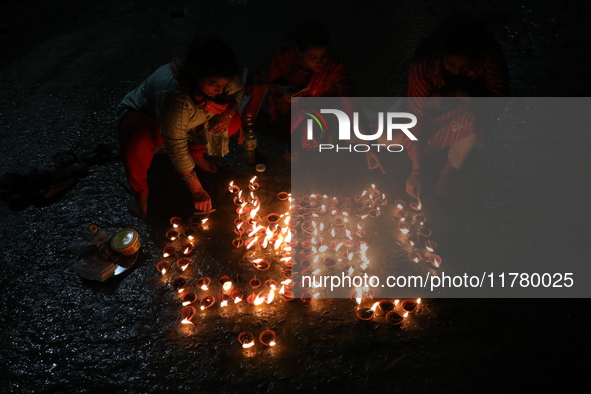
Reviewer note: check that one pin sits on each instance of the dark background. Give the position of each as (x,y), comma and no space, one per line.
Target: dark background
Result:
(65,65)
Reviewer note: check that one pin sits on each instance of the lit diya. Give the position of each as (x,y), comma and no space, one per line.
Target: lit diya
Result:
(271,284)
(367,313)
(207,302)
(176,221)
(435,260)
(226,282)
(224,299)
(189,298)
(413,239)
(190,232)
(268,338)
(172,235)
(187,249)
(187,314)
(203,283)
(420,219)
(246,339)
(252,185)
(403,227)
(232,188)
(402,215)
(261,264)
(415,257)
(431,245)
(394,318)
(386,305)
(237,242)
(179,284)
(183,263)
(163,267)
(410,306)
(400,204)
(168,251)
(237,296)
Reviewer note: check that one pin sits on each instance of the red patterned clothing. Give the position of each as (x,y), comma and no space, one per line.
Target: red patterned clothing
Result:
(490,79)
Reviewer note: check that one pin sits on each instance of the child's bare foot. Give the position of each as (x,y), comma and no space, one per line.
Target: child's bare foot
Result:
(205,164)
(138,207)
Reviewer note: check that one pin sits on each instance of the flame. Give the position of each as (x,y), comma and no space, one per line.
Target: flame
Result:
(202,308)
(364,193)
(316,271)
(323,248)
(190,237)
(405,315)
(282,291)
(181,290)
(247,345)
(165,255)
(338,247)
(351,270)
(187,250)
(396,302)
(163,271)
(175,225)
(374,307)
(258,300)
(186,303)
(237,300)
(272,343)
(184,267)
(185,321)
(227,285)
(404,230)
(253,179)
(418,300)
(350,256)
(271,296)
(359,295)
(252,242)
(223,303)
(204,287)
(316,295)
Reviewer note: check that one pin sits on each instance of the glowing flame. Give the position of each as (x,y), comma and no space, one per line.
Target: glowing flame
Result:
(237,300)
(186,303)
(396,302)
(316,271)
(227,285)
(252,242)
(253,179)
(181,290)
(185,321)
(323,248)
(351,270)
(338,247)
(163,271)
(271,296)
(184,267)
(247,345)
(165,255)
(272,343)
(204,287)
(223,303)
(405,315)
(282,290)
(359,295)
(258,300)
(418,300)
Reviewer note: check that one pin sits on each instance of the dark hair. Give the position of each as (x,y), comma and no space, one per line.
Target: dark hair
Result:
(309,33)
(204,58)
(460,35)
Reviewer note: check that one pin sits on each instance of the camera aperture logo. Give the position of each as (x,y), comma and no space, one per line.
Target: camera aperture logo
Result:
(344,132)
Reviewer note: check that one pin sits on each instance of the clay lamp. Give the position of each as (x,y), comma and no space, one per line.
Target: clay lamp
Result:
(255,283)
(435,260)
(415,257)
(395,318)
(306,297)
(261,264)
(431,245)
(283,196)
(271,284)
(176,221)
(224,299)
(246,339)
(179,284)
(207,302)
(168,251)
(329,262)
(226,282)
(402,215)
(237,242)
(172,235)
(237,296)
(203,283)
(252,185)
(381,201)
(410,306)
(425,232)
(420,219)
(268,338)
(190,232)
(413,240)
(187,314)
(163,267)
(187,249)
(403,227)
(288,295)
(232,188)
(189,298)
(183,263)
(367,313)
(400,204)
(386,306)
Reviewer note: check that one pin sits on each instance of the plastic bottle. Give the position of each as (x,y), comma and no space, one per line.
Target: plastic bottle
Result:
(250,140)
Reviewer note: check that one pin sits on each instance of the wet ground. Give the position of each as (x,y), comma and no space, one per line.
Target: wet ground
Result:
(64,67)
